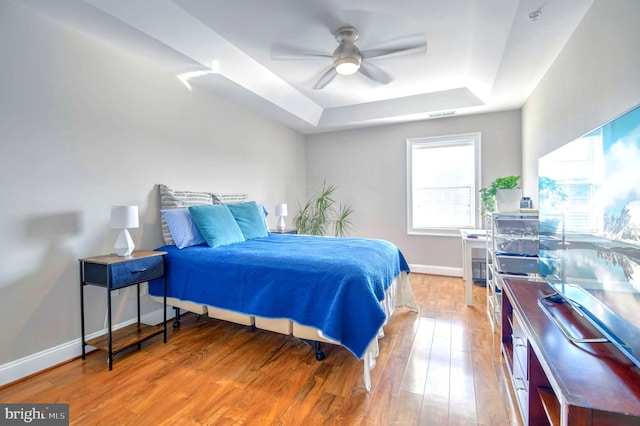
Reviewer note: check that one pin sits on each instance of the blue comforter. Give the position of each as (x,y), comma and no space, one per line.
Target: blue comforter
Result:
(332,284)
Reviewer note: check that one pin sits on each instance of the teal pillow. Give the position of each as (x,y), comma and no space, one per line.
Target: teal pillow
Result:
(216,224)
(250,219)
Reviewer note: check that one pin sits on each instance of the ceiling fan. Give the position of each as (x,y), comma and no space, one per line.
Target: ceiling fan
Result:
(348,59)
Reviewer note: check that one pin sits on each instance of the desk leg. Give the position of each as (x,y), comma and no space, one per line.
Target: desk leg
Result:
(468,275)
(464,260)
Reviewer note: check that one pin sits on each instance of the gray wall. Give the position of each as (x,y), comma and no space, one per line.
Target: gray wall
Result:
(85,126)
(595,78)
(369,168)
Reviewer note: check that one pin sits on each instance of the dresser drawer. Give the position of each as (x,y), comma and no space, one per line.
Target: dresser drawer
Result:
(124,273)
(520,347)
(521,390)
(519,374)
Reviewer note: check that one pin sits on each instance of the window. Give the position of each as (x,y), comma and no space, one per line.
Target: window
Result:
(442,180)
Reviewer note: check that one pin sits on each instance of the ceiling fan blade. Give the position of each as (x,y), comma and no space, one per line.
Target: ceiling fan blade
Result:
(288,52)
(325,79)
(375,73)
(413,43)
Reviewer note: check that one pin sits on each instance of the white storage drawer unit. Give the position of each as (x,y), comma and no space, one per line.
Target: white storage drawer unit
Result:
(512,250)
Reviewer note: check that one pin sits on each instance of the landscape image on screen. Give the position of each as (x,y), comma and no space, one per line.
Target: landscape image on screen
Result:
(589,202)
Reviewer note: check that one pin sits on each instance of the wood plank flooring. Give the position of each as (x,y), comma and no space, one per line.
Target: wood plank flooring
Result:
(441,366)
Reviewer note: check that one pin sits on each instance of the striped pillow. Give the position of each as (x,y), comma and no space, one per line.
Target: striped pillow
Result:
(171,199)
(232,198)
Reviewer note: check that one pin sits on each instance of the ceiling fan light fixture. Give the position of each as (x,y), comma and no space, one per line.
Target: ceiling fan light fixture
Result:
(348,60)
(347,65)
(346,57)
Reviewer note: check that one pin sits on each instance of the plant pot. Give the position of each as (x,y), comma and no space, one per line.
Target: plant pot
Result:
(508,200)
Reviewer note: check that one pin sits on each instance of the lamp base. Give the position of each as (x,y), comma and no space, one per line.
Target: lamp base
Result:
(124,244)
(280,227)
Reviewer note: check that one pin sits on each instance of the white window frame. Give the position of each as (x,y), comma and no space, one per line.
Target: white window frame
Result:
(435,141)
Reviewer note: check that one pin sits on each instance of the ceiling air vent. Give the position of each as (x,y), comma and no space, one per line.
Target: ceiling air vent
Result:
(442,114)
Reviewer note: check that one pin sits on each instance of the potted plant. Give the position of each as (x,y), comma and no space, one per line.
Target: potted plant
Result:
(320,213)
(503,194)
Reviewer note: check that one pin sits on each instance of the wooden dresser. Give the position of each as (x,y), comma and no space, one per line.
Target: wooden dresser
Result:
(555,381)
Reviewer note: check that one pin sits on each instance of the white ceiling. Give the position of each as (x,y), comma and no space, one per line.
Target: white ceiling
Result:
(481,55)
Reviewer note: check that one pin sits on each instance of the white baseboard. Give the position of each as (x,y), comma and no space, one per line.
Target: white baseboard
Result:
(23,367)
(436,270)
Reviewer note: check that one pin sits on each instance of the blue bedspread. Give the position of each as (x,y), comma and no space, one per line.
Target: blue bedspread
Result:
(332,284)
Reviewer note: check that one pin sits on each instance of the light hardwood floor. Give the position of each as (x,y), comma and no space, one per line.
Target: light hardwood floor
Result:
(441,366)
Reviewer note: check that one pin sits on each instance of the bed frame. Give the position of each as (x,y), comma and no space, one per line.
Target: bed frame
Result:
(309,335)
(399,294)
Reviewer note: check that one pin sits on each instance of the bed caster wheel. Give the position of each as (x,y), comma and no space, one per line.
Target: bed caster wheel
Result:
(316,347)
(176,320)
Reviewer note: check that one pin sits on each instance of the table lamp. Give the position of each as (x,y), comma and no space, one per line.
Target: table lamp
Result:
(123,217)
(281,211)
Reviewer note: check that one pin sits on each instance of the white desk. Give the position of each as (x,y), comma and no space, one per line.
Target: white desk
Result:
(471,238)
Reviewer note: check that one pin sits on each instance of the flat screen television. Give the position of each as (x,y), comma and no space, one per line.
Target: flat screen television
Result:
(589,212)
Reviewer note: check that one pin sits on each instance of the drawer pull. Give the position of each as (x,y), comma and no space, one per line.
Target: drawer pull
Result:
(137,271)
(522,387)
(518,341)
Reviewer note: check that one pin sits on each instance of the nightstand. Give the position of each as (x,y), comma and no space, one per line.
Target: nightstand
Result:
(113,272)
(286,231)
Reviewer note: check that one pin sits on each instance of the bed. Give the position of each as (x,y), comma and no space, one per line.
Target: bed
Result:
(320,289)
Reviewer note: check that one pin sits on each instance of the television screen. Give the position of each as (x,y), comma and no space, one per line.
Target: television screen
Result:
(589,206)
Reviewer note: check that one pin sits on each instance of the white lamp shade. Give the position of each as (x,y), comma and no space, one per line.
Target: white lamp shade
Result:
(281,210)
(123,217)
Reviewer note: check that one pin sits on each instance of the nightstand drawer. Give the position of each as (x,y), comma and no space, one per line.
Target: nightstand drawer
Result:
(124,273)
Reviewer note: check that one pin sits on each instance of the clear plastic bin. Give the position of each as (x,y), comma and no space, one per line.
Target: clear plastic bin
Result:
(519,246)
(479,271)
(517,265)
(516,226)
